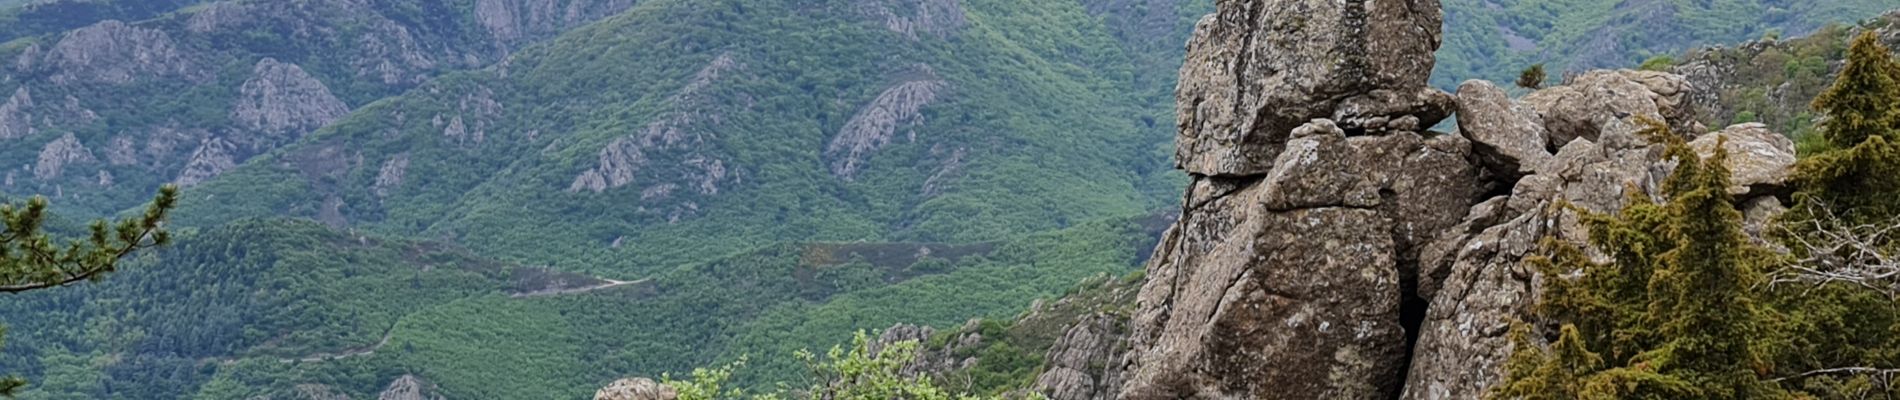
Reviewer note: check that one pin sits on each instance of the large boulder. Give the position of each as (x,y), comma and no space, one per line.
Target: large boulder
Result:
(1509,137)
(1613,100)
(1758,159)
(1251,75)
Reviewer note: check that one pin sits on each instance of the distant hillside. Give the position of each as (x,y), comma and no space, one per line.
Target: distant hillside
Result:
(1774,81)
(683,130)
(103,101)
(1494,39)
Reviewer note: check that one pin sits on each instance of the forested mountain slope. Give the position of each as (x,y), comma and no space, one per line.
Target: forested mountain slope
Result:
(130,98)
(684,129)
(1494,39)
(262,307)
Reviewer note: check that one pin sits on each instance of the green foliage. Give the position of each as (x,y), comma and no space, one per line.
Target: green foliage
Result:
(867,371)
(1658,63)
(1494,39)
(1677,313)
(1532,78)
(31,260)
(1860,104)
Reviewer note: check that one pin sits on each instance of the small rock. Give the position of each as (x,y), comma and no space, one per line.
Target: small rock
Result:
(636,389)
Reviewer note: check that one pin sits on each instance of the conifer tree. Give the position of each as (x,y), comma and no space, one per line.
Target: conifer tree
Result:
(1532,78)
(1862,102)
(1675,312)
(30,259)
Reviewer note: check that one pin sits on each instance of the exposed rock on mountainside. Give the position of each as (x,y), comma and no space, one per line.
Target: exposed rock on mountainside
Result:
(409,387)
(391,175)
(113,52)
(899,107)
(512,21)
(684,132)
(636,389)
(917,18)
(282,102)
(57,155)
(213,157)
(15,121)
(1082,364)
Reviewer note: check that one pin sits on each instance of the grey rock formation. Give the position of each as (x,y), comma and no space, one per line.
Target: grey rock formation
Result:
(1600,100)
(409,387)
(59,154)
(16,121)
(636,389)
(1474,273)
(686,131)
(512,22)
(391,175)
(113,52)
(917,18)
(1760,159)
(1251,76)
(1290,285)
(1509,138)
(875,125)
(213,157)
(1082,364)
(282,102)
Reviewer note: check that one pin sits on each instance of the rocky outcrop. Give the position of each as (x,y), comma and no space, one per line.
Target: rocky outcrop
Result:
(1322,226)
(682,136)
(15,119)
(113,52)
(213,157)
(636,389)
(1760,159)
(1250,77)
(1495,125)
(391,175)
(1597,99)
(283,103)
(512,22)
(1474,273)
(409,387)
(917,18)
(1314,190)
(1082,364)
(59,154)
(900,106)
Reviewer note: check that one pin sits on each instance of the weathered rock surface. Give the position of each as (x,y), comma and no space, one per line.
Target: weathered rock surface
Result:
(1508,137)
(59,154)
(1250,78)
(213,157)
(16,121)
(512,22)
(917,18)
(1760,159)
(1598,100)
(282,102)
(875,125)
(409,387)
(1474,273)
(636,389)
(684,132)
(1082,364)
(391,175)
(113,52)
